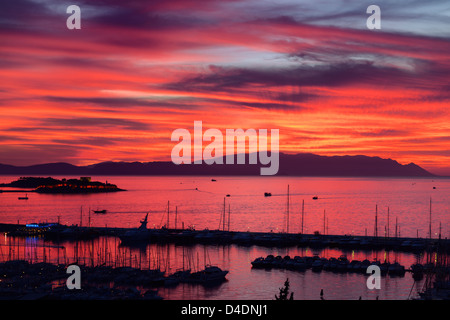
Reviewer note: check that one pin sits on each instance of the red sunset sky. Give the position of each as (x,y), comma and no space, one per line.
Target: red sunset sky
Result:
(137,70)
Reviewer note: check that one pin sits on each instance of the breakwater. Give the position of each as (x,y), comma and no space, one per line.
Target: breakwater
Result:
(137,237)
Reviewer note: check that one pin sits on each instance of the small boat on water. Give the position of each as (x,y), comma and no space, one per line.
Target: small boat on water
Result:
(315,197)
(396,269)
(267,194)
(208,275)
(24,198)
(258,262)
(177,277)
(100,211)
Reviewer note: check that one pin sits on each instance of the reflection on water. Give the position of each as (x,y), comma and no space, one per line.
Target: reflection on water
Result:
(243,282)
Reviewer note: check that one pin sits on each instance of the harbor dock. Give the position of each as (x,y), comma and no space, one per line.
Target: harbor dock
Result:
(139,237)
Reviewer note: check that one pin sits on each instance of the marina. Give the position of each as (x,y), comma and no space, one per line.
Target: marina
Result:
(173,271)
(181,239)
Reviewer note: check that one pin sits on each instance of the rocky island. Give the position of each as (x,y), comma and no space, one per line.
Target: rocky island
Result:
(51,185)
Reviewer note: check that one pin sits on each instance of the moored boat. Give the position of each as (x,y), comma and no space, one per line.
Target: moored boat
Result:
(396,269)
(317,265)
(210,274)
(137,236)
(258,262)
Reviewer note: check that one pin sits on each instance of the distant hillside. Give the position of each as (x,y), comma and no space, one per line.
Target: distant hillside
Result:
(304,164)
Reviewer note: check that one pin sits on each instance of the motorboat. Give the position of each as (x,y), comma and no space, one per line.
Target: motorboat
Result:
(140,234)
(258,262)
(24,198)
(209,274)
(396,269)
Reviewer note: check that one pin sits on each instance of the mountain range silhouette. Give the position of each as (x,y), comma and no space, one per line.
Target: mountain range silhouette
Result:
(302,164)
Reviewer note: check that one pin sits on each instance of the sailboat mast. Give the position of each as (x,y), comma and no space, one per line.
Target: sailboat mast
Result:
(376,221)
(168,214)
(430,219)
(223,220)
(229,213)
(176,216)
(388,224)
(396,221)
(287,218)
(440,230)
(303,212)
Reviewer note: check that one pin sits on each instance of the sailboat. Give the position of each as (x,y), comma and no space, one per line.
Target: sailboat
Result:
(24,198)
(181,275)
(210,275)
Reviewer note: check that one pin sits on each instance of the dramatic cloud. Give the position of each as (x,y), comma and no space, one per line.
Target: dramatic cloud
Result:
(137,70)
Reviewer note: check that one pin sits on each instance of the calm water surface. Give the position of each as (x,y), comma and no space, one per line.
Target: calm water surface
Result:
(349,204)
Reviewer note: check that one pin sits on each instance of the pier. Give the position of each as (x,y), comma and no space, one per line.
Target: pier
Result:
(140,237)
